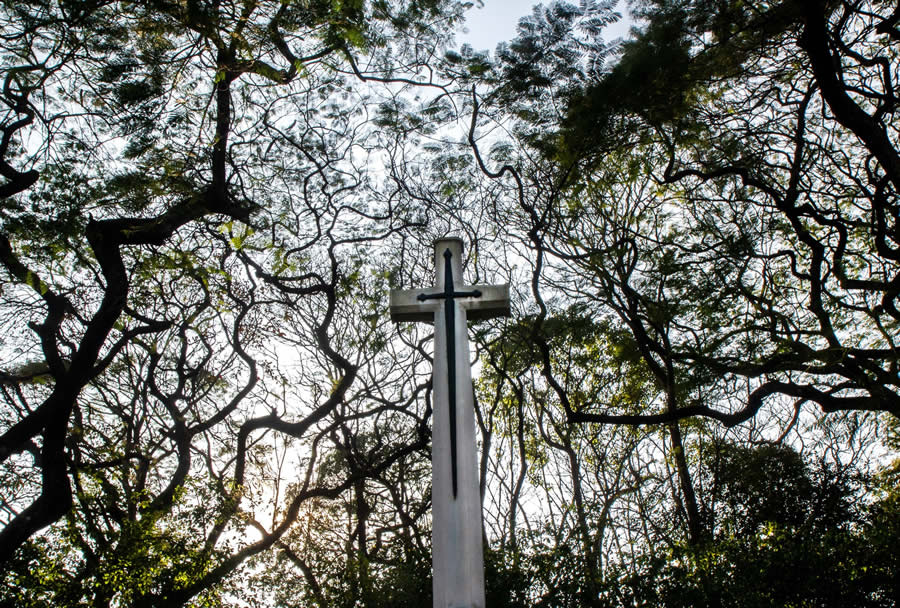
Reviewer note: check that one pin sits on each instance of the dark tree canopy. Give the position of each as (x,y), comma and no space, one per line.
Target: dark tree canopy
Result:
(769,126)
(205,193)
(204,204)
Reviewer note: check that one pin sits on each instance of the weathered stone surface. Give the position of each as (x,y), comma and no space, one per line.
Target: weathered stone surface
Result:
(457,560)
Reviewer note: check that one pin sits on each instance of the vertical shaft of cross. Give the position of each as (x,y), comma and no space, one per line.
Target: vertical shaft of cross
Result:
(457,558)
(456,512)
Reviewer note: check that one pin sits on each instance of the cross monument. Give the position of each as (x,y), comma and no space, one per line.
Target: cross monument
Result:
(457,559)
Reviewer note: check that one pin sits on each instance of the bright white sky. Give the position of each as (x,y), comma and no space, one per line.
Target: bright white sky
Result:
(496,22)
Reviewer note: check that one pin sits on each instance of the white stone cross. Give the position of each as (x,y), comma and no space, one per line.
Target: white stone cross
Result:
(457,559)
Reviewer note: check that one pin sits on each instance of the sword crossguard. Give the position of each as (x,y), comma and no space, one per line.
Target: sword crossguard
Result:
(475,293)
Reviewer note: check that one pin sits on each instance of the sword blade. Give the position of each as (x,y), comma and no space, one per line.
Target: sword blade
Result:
(450,322)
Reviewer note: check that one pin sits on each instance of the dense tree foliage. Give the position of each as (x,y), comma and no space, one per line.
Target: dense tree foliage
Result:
(205,203)
(774,270)
(716,201)
(186,287)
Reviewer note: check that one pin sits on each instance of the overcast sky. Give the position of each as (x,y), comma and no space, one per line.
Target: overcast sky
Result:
(496,22)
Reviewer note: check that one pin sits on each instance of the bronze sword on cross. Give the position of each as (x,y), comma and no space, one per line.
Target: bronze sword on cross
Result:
(448,295)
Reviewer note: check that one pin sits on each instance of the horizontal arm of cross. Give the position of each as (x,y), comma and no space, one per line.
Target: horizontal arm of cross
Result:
(407,306)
